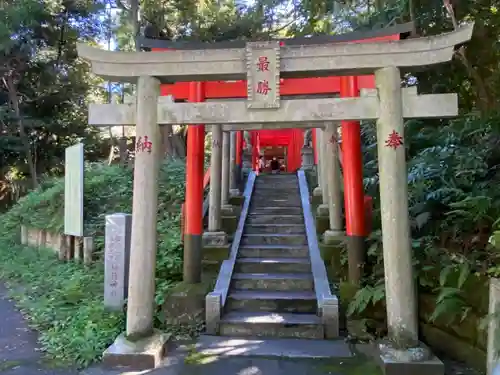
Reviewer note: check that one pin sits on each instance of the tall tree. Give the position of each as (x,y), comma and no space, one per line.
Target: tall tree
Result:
(43,85)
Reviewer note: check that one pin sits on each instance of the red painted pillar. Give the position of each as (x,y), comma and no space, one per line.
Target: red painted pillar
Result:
(239,158)
(239,147)
(299,142)
(194,192)
(314,146)
(291,152)
(255,154)
(353,183)
(257,150)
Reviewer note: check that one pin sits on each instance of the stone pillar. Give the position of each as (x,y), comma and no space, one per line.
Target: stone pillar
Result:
(225,169)
(402,318)
(233,170)
(227,209)
(493,363)
(307,158)
(214,217)
(141,290)
(317,190)
(214,236)
(323,167)
(333,184)
(247,161)
(141,347)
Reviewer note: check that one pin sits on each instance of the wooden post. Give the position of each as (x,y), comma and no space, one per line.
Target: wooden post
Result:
(88,250)
(70,247)
(24,235)
(62,245)
(78,252)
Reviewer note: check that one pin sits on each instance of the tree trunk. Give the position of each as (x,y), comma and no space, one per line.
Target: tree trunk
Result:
(167,141)
(134,21)
(179,143)
(14,100)
(484,101)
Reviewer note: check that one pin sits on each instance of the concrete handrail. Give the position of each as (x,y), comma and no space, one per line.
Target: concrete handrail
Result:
(216,299)
(328,306)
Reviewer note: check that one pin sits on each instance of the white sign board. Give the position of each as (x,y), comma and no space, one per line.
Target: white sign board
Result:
(73,191)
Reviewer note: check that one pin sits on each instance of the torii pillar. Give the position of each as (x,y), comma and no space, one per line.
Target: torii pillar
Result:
(194,194)
(141,284)
(353,186)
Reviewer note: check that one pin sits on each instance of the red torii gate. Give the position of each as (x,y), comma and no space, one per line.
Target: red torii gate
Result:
(294,138)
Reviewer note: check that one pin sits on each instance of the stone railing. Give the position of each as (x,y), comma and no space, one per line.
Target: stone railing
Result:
(66,247)
(328,304)
(216,300)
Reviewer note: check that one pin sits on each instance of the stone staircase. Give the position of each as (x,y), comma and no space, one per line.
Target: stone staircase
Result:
(272,290)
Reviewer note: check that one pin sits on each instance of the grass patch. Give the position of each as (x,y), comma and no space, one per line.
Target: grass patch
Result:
(64,301)
(8,365)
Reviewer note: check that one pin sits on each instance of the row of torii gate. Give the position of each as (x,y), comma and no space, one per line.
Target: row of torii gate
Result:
(271,68)
(293,139)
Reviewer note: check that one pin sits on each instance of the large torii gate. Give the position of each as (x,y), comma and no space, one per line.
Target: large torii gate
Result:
(389,107)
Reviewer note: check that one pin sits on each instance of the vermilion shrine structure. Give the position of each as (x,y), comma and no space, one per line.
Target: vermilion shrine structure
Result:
(264,109)
(292,139)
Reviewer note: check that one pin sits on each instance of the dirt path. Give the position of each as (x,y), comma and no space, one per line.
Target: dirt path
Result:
(19,353)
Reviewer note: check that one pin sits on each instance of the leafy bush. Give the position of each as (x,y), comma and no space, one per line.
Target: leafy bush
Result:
(454,200)
(64,301)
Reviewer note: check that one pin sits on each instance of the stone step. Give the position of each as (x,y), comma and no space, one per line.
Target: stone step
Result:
(270,202)
(274,239)
(273,219)
(274,228)
(273,281)
(262,209)
(276,189)
(274,195)
(282,186)
(277,204)
(254,301)
(262,324)
(273,251)
(273,265)
(335,351)
(276,179)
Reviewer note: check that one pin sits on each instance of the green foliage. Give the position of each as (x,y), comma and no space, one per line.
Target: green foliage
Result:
(454,203)
(64,301)
(366,296)
(450,299)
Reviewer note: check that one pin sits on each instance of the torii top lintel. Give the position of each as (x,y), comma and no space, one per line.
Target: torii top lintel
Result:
(297,61)
(292,86)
